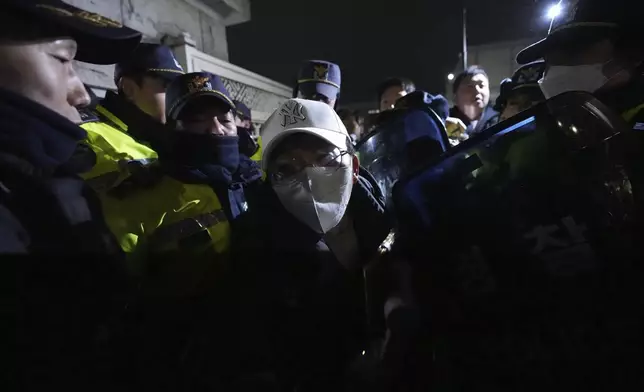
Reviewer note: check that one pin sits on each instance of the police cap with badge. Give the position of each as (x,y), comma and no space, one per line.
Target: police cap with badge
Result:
(318,77)
(100,40)
(524,80)
(187,88)
(586,21)
(148,58)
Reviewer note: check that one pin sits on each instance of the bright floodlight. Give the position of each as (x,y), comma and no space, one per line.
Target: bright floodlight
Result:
(450,76)
(554,11)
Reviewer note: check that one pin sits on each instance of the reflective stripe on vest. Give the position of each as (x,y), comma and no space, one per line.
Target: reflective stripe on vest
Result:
(631,113)
(175,232)
(112,118)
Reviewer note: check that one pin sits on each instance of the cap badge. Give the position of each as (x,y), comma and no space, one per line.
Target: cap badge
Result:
(89,17)
(291,113)
(321,72)
(528,75)
(199,83)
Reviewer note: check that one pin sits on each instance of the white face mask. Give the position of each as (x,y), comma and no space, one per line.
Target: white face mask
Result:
(560,79)
(318,197)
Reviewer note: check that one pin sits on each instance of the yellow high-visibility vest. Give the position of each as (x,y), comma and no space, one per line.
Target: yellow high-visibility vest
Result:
(114,150)
(185,220)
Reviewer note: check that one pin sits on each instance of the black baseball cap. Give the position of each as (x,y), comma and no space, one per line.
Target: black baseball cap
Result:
(586,21)
(188,87)
(319,77)
(100,40)
(151,59)
(242,110)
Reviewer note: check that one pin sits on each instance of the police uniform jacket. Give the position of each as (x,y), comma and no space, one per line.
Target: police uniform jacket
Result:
(176,225)
(154,208)
(70,281)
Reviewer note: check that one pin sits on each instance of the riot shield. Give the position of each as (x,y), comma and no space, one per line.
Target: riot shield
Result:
(403,139)
(527,248)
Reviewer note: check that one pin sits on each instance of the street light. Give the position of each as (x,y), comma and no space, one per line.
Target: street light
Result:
(554,12)
(450,77)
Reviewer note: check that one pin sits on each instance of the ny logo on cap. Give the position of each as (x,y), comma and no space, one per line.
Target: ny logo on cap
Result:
(199,83)
(291,112)
(320,72)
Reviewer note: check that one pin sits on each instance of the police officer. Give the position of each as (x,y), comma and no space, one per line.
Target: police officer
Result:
(127,129)
(245,129)
(68,286)
(319,80)
(596,47)
(205,138)
(177,230)
(200,190)
(522,91)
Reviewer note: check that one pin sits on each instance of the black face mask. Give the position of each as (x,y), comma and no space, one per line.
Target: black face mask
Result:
(197,150)
(247,146)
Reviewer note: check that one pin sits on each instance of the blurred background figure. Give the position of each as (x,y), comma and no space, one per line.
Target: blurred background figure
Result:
(471,98)
(391,90)
(319,80)
(243,116)
(354,122)
(246,132)
(522,91)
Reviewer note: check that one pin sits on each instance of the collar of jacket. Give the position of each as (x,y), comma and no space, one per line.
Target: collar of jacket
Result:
(248,171)
(37,134)
(488,118)
(129,118)
(486,115)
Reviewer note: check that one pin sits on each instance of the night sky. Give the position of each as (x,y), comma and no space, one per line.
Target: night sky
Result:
(370,40)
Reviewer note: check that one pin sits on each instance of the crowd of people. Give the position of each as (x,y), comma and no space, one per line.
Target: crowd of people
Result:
(161,243)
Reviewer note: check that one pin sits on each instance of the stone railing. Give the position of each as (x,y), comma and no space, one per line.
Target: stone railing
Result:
(260,94)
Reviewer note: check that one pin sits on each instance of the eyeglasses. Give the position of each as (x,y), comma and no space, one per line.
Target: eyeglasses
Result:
(288,171)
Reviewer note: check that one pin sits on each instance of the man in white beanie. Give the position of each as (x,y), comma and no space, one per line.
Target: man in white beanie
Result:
(319,222)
